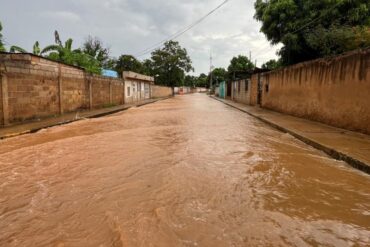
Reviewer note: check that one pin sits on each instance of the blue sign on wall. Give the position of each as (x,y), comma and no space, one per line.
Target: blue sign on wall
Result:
(110,73)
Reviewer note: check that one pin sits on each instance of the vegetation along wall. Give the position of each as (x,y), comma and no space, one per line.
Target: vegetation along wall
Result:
(335,91)
(33,87)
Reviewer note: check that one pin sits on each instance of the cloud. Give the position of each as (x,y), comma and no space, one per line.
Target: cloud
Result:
(62,16)
(130,26)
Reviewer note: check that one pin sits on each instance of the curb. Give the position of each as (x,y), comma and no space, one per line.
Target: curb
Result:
(97,115)
(355,163)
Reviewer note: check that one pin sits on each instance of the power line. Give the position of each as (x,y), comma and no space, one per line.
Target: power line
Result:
(181,32)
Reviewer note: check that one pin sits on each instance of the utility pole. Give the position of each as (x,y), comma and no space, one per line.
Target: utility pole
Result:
(250,56)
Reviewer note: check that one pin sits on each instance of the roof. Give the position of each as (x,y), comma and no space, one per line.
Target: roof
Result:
(129,75)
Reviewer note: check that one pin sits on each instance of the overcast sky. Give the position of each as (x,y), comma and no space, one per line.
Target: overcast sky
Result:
(131,26)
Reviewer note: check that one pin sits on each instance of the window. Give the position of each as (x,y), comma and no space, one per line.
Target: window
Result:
(128,91)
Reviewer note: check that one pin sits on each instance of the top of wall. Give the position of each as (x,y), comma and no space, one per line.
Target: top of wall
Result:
(32,58)
(34,64)
(129,75)
(322,61)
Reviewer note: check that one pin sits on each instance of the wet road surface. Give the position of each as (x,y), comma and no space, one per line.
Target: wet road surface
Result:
(187,171)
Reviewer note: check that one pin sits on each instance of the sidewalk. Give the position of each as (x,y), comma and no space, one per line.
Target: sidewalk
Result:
(34,126)
(349,146)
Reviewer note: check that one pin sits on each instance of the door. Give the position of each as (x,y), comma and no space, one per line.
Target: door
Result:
(259,88)
(228,91)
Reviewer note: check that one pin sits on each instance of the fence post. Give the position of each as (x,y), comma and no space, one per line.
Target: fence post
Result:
(110,93)
(89,81)
(60,88)
(5,98)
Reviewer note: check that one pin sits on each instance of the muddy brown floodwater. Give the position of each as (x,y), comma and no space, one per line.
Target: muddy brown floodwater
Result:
(188,171)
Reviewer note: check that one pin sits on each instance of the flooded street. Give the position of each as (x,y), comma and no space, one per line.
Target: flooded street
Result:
(188,171)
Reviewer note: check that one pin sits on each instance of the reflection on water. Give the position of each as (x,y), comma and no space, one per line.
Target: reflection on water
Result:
(188,171)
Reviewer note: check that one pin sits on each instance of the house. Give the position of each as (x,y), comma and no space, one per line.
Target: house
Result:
(137,86)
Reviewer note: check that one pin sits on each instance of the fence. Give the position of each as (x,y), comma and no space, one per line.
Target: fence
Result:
(334,90)
(33,87)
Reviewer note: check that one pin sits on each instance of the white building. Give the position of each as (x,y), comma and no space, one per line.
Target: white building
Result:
(137,86)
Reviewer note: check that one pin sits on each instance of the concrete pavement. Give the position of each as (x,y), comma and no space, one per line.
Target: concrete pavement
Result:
(341,144)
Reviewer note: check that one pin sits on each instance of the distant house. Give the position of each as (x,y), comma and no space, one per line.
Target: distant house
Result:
(137,86)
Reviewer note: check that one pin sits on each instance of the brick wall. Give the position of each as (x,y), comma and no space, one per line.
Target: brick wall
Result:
(1,102)
(117,92)
(242,92)
(334,91)
(36,87)
(254,89)
(160,91)
(100,92)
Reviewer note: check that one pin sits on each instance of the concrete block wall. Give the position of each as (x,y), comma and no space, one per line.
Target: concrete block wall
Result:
(36,87)
(32,87)
(160,91)
(100,91)
(254,90)
(334,91)
(242,92)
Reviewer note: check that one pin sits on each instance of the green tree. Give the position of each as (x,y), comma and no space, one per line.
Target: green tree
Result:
(298,24)
(95,48)
(171,63)
(66,54)
(240,64)
(111,63)
(2,46)
(202,80)
(190,81)
(128,63)
(218,75)
(271,64)
(148,67)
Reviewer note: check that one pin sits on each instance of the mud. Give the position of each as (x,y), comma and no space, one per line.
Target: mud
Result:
(187,171)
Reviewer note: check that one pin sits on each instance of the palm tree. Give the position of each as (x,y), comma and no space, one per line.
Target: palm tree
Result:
(60,52)
(65,53)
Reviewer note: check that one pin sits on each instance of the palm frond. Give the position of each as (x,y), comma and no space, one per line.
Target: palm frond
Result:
(50,48)
(68,44)
(15,48)
(36,48)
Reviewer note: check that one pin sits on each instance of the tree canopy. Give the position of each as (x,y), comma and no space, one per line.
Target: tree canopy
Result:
(128,63)
(170,63)
(66,54)
(2,46)
(240,63)
(218,75)
(271,64)
(312,29)
(95,48)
